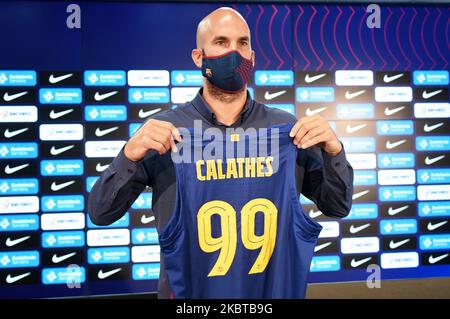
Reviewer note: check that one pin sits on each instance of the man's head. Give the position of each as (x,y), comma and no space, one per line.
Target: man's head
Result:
(220,32)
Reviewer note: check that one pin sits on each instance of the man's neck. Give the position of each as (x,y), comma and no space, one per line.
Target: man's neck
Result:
(226,107)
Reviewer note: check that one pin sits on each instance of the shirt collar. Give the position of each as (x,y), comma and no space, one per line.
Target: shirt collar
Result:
(204,109)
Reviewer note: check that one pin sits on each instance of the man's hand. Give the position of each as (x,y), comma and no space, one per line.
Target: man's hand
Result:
(312,130)
(153,135)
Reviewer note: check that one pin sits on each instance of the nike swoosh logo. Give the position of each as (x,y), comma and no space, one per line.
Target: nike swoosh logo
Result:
(142,114)
(10,170)
(55,79)
(390,145)
(395,245)
(57,151)
(56,187)
(350,96)
(388,111)
(392,211)
(433,260)
(99,132)
(9,134)
(432,227)
(427,95)
(310,79)
(271,96)
(358,195)
(322,246)
(429,161)
(428,128)
(146,220)
(389,79)
(101,97)
(353,129)
(54,115)
(9,242)
(358,263)
(100,168)
(57,259)
(103,275)
(310,112)
(357,229)
(314,214)
(10,279)
(9,98)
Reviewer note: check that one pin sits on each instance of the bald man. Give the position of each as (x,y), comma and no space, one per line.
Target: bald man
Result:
(227,60)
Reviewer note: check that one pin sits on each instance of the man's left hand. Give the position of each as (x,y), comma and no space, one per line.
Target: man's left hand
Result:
(312,130)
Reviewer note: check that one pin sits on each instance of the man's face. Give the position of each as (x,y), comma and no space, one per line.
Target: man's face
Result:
(224,34)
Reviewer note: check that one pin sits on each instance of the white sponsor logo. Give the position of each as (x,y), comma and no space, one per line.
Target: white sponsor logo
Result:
(108,237)
(314,214)
(399,260)
(433,192)
(57,151)
(19,204)
(55,79)
(354,77)
(395,245)
(393,94)
(388,111)
(54,115)
(12,97)
(11,170)
(389,79)
(432,226)
(353,129)
(10,242)
(183,95)
(100,168)
(61,132)
(310,112)
(396,177)
(426,95)
(352,95)
(428,128)
(360,245)
(360,194)
(56,187)
(143,114)
(57,259)
(429,161)
(9,134)
(330,229)
(431,110)
(390,145)
(310,79)
(392,211)
(146,220)
(433,260)
(148,78)
(322,246)
(356,263)
(18,114)
(62,221)
(145,253)
(362,160)
(106,274)
(104,96)
(100,133)
(356,229)
(103,148)
(12,279)
(270,96)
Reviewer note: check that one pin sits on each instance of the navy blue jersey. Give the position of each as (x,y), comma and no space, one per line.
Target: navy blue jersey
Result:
(238,230)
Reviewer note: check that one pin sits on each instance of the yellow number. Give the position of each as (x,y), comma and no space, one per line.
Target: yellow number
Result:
(267,240)
(227,242)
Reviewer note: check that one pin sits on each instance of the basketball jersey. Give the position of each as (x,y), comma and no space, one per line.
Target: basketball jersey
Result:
(237,229)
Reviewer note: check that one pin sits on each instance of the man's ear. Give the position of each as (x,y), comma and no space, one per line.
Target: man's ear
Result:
(253,58)
(197,57)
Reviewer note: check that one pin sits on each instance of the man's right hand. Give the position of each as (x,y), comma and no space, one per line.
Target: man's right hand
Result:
(153,135)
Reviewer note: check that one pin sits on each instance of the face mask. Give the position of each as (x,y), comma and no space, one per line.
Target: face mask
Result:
(229,72)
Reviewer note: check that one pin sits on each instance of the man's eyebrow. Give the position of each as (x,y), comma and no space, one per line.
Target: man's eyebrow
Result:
(224,38)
